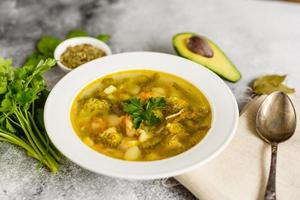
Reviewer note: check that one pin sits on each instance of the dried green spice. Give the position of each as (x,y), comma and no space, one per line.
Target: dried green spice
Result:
(47,44)
(79,54)
(270,83)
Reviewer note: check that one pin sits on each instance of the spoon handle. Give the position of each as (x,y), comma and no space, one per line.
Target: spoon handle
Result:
(270,193)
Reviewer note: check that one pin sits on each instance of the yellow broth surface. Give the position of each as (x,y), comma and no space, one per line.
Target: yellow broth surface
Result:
(141,115)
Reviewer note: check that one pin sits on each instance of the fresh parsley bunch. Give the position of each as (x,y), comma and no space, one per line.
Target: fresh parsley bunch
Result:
(148,112)
(22,97)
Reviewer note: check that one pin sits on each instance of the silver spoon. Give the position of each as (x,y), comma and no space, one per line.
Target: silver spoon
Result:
(275,123)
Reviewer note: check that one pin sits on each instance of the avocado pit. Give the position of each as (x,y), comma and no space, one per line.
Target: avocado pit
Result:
(199,45)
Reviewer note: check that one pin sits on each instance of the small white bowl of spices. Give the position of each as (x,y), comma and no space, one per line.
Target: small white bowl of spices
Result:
(74,52)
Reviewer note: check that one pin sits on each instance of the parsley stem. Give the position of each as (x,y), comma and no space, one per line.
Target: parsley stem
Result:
(42,137)
(19,117)
(14,122)
(32,109)
(16,140)
(8,137)
(52,163)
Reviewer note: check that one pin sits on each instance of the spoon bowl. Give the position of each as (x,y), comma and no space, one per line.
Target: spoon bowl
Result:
(276,118)
(275,122)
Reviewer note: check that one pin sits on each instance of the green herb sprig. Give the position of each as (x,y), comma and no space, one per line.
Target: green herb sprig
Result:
(147,112)
(22,97)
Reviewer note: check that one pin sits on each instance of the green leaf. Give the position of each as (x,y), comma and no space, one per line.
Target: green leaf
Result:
(6,104)
(6,74)
(137,122)
(270,83)
(103,37)
(6,68)
(22,73)
(3,84)
(152,106)
(47,44)
(38,84)
(132,106)
(76,33)
(44,66)
(149,118)
(9,126)
(158,102)
(25,97)
(16,87)
(34,58)
(29,83)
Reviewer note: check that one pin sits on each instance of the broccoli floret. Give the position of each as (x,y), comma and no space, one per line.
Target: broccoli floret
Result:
(111,137)
(177,104)
(93,105)
(157,113)
(175,128)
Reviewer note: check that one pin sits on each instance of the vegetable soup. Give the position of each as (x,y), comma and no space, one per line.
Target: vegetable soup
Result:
(141,115)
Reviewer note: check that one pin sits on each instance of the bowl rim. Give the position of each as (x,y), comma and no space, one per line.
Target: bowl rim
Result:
(138,60)
(60,49)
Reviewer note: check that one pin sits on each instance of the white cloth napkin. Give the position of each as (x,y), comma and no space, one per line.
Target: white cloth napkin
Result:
(241,171)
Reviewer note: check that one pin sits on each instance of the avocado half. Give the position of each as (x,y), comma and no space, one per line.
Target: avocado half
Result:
(218,63)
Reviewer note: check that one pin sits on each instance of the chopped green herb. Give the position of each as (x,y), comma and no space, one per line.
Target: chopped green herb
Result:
(147,112)
(135,109)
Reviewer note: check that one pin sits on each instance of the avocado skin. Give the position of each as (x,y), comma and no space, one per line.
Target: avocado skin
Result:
(222,75)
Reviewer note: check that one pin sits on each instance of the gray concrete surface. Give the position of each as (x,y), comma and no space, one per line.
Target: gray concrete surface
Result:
(260,37)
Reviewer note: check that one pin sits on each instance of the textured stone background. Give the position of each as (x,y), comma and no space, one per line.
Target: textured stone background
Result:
(260,37)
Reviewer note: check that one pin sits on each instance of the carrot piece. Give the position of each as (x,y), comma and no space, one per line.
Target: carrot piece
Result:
(145,95)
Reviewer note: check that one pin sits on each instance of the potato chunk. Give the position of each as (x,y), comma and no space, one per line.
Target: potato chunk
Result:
(128,142)
(143,135)
(88,141)
(158,92)
(133,153)
(110,89)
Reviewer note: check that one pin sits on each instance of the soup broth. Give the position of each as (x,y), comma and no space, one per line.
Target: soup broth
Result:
(141,115)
